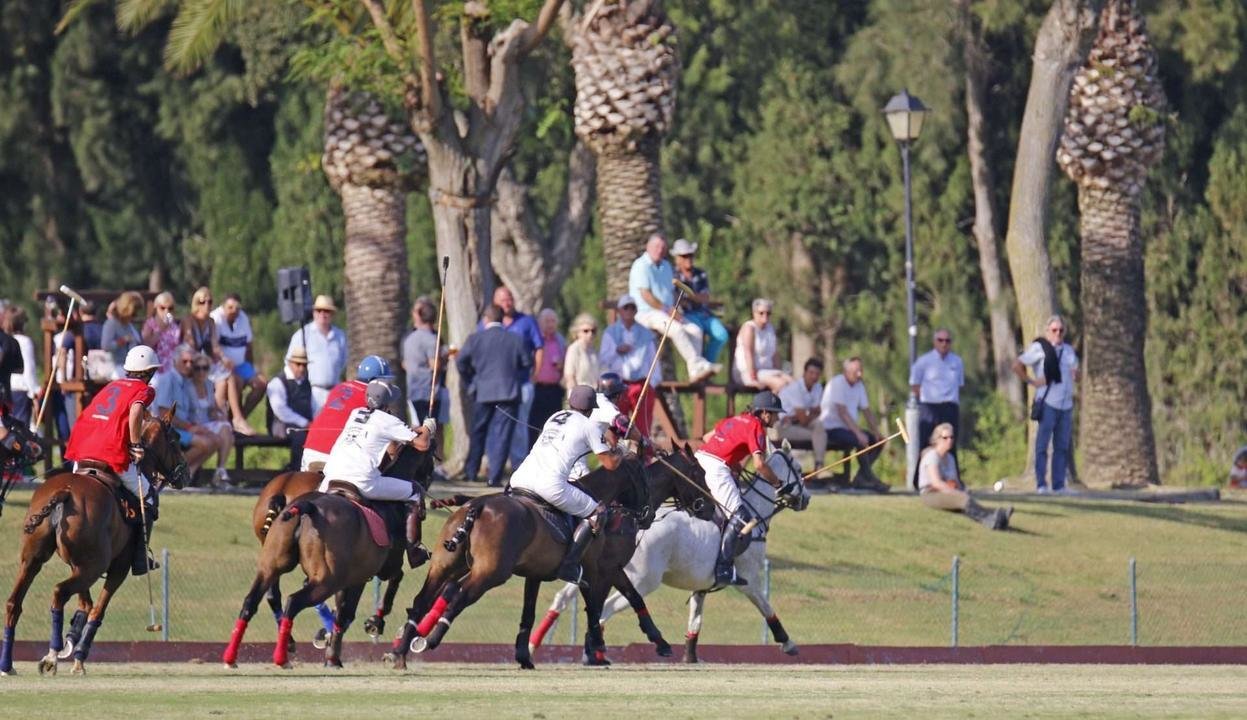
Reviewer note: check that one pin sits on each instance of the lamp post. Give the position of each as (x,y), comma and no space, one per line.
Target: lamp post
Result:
(905,114)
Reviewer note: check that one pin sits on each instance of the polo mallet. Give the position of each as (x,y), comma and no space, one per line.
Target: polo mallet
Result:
(152,625)
(675,307)
(58,362)
(437,346)
(900,432)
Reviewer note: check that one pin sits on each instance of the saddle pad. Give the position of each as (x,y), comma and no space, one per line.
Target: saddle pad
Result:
(376,525)
(560,524)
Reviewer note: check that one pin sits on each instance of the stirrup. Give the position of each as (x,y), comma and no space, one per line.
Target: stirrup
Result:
(573,574)
(417,555)
(729,577)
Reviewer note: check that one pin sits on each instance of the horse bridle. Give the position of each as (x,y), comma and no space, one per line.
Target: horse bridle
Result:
(778,503)
(694,508)
(147,465)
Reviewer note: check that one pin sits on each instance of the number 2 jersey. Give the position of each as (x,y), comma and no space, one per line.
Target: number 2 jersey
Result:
(324,429)
(565,441)
(357,454)
(102,432)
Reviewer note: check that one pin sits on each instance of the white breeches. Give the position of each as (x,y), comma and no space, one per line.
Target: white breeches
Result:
(311,456)
(559,493)
(720,482)
(132,480)
(379,488)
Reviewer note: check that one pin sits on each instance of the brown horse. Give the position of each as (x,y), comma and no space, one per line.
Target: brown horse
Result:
(494,537)
(328,536)
(76,515)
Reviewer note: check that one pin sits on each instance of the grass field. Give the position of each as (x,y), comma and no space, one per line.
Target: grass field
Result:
(467,691)
(867,570)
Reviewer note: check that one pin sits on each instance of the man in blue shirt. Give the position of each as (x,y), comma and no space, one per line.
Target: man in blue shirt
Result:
(650,282)
(525,327)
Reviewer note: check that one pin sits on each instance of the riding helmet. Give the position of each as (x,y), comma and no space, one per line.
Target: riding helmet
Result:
(611,385)
(380,394)
(140,359)
(766,400)
(373,367)
(583,398)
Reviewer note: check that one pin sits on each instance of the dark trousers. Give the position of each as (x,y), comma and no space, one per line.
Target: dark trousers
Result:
(932,414)
(492,426)
(841,438)
(23,407)
(547,400)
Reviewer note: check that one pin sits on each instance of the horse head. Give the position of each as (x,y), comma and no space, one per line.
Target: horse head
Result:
(677,475)
(163,460)
(792,491)
(20,443)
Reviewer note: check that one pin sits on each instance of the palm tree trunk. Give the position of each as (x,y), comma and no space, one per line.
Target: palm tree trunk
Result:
(629,206)
(375,267)
(1116,421)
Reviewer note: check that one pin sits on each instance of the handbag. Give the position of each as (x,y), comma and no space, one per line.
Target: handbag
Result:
(1037,407)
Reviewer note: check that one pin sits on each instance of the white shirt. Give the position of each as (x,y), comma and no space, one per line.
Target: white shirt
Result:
(840,392)
(234,340)
(796,395)
(326,354)
(356,455)
(566,439)
(939,378)
(1059,396)
(631,366)
(946,467)
(27,381)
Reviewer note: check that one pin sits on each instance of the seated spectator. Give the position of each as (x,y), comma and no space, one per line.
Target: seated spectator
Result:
(209,414)
(176,390)
(233,329)
(326,350)
(418,349)
(628,350)
(162,332)
(799,422)
(696,309)
(290,404)
(1238,471)
(941,489)
(757,351)
(548,376)
(843,400)
(24,386)
(581,366)
(120,333)
(650,285)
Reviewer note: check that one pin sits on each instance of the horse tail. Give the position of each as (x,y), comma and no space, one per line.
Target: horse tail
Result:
(300,507)
(452,501)
(460,536)
(58,498)
(275,505)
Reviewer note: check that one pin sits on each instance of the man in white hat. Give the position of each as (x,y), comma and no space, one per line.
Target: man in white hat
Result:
(650,283)
(696,309)
(325,345)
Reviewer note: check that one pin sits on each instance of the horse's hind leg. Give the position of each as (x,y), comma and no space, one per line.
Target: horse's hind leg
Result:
(75,584)
(557,607)
(625,587)
(77,624)
(347,602)
(116,575)
(479,581)
(696,604)
(308,595)
(375,625)
(36,550)
(754,593)
(263,585)
(522,654)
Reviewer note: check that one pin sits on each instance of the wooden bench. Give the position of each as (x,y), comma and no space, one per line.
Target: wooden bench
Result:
(242,442)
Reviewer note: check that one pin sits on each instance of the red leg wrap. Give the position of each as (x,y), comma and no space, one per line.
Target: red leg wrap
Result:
(430,619)
(280,655)
(235,639)
(543,627)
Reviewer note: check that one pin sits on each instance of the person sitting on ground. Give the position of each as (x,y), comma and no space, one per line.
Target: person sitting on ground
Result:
(233,329)
(174,390)
(725,449)
(941,489)
(757,351)
(566,437)
(357,455)
(209,414)
(581,366)
(800,419)
(290,404)
(344,398)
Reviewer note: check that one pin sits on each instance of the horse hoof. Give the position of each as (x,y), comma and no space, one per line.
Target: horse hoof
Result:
(78,668)
(790,648)
(527,665)
(320,640)
(231,666)
(8,673)
(690,659)
(374,626)
(334,664)
(67,652)
(663,649)
(597,659)
(394,661)
(419,644)
(286,665)
(290,647)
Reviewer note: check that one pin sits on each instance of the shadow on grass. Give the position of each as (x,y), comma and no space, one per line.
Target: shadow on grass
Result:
(1168,513)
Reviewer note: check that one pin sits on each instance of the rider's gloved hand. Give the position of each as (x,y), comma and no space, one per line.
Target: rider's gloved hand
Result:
(136,452)
(431,425)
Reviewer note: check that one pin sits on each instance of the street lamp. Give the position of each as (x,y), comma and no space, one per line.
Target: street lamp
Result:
(905,114)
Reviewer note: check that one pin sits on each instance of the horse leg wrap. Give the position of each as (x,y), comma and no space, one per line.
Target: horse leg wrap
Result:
(235,640)
(76,625)
(543,627)
(777,629)
(57,642)
(690,647)
(435,613)
(280,654)
(326,616)
(88,637)
(6,650)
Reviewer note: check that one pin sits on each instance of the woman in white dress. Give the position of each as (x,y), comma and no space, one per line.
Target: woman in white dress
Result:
(757,351)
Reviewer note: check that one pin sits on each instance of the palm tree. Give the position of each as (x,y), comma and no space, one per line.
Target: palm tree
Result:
(624,58)
(1114,134)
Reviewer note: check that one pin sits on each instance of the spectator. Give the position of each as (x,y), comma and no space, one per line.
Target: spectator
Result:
(162,331)
(936,378)
(199,331)
(290,404)
(119,333)
(326,349)
(418,349)
(92,329)
(757,351)
(1238,470)
(176,390)
(210,415)
(233,331)
(581,366)
(628,350)
(548,378)
(10,358)
(650,283)
(492,362)
(799,421)
(524,326)
(24,384)
(696,309)
(63,405)
(941,488)
(843,399)
(1056,370)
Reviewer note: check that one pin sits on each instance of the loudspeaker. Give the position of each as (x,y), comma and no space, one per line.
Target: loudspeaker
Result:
(294,294)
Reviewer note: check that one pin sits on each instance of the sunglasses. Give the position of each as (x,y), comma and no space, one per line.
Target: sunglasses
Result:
(1058,331)
(202,368)
(942,340)
(164,307)
(203,301)
(946,437)
(588,331)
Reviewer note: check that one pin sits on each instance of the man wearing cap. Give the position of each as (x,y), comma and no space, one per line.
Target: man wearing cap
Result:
(696,309)
(567,437)
(325,347)
(290,404)
(494,363)
(722,454)
(628,351)
(234,334)
(650,283)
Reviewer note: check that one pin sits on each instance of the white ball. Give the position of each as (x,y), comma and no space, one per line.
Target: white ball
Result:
(1000,485)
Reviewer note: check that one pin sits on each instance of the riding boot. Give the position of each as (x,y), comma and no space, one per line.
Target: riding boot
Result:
(980,514)
(570,570)
(417,553)
(725,565)
(141,561)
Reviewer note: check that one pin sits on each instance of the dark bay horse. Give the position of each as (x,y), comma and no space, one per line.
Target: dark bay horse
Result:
(76,516)
(19,447)
(327,535)
(496,536)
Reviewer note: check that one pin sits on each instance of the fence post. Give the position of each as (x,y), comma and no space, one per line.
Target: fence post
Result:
(1134,605)
(956,596)
(766,593)
(164,593)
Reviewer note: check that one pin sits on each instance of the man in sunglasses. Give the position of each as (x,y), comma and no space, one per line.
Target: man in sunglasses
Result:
(936,378)
(1055,366)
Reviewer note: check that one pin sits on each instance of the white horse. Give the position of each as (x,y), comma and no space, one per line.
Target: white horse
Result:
(679,550)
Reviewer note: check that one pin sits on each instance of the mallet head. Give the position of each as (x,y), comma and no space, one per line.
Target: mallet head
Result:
(69,292)
(904,433)
(155,627)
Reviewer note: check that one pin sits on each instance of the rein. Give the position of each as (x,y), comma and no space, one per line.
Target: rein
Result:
(680,474)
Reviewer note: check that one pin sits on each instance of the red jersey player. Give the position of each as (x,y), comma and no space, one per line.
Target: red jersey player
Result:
(324,429)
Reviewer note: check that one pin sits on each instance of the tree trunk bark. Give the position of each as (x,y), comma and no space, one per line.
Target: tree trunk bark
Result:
(1116,422)
(630,208)
(805,322)
(375,269)
(831,285)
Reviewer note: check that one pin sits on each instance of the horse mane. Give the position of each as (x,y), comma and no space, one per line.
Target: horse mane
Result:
(605,484)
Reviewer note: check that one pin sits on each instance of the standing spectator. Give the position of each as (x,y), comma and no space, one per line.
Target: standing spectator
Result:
(176,391)
(941,486)
(492,362)
(525,327)
(843,400)
(799,421)
(936,378)
(757,351)
(92,329)
(61,404)
(628,350)
(24,384)
(1056,370)
(162,331)
(548,377)
(418,349)
(581,366)
(119,333)
(210,415)
(290,404)
(650,284)
(326,349)
(696,309)
(233,331)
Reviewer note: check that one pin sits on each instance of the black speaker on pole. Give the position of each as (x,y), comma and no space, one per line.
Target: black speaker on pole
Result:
(294,294)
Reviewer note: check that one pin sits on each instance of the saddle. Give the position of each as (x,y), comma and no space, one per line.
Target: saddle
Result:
(385,518)
(127,502)
(560,524)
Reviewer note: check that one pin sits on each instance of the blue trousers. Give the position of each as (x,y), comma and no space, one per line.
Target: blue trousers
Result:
(1056,427)
(518,449)
(714,334)
(492,428)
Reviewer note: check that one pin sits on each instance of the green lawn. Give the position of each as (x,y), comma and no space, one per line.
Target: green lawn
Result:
(867,570)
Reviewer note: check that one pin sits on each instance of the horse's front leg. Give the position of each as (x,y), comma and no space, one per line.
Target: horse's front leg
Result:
(347,602)
(637,601)
(696,605)
(595,639)
(522,654)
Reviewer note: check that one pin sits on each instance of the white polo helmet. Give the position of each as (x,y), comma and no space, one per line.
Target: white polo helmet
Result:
(141,358)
